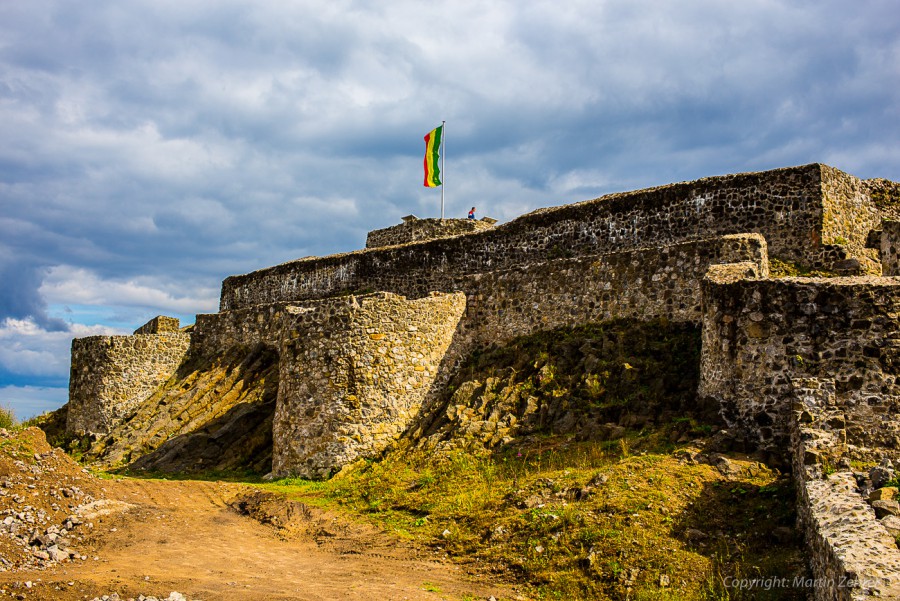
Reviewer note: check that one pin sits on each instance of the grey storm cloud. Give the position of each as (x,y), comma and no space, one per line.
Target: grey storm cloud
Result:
(152,148)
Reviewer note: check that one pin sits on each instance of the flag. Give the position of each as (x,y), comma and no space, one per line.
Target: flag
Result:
(432,153)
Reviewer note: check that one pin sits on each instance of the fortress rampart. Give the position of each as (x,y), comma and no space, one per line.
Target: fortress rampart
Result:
(815,216)
(495,307)
(366,341)
(111,375)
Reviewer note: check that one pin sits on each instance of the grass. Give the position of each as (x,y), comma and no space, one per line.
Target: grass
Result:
(783,269)
(581,520)
(7,418)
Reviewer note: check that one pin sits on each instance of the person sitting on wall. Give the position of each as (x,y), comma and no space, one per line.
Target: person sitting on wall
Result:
(472,213)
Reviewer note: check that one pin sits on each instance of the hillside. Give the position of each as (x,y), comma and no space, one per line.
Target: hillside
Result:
(578,463)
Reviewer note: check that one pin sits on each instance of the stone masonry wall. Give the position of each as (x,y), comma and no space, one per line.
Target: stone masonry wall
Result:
(644,283)
(848,211)
(216,332)
(354,372)
(890,248)
(639,284)
(419,230)
(760,334)
(852,555)
(784,205)
(159,325)
(111,375)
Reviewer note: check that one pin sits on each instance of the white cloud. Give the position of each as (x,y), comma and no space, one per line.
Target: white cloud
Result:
(65,284)
(26,349)
(29,401)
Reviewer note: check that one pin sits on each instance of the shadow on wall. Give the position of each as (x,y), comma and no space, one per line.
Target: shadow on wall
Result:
(240,440)
(213,414)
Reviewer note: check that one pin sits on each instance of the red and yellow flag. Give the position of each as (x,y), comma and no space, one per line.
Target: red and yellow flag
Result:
(432,154)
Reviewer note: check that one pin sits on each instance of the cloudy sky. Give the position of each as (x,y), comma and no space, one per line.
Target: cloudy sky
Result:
(153,147)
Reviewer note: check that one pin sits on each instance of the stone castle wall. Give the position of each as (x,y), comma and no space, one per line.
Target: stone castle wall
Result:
(758,335)
(890,248)
(420,230)
(159,325)
(786,206)
(848,211)
(366,340)
(642,283)
(111,375)
(852,554)
(353,374)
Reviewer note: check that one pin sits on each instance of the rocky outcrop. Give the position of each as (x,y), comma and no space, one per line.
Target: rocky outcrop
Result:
(590,381)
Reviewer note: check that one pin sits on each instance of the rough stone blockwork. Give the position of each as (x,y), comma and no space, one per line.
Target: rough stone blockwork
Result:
(852,555)
(646,283)
(890,248)
(353,373)
(111,375)
(759,334)
(159,325)
(797,210)
(216,332)
(420,230)
(848,214)
(642,283)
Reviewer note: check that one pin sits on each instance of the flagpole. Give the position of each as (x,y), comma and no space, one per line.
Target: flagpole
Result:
(443,175)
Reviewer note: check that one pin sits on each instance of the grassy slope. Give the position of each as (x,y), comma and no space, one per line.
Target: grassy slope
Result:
(585,520)
(571,516)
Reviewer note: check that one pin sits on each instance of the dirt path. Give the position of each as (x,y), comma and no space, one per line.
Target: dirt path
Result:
(183,536)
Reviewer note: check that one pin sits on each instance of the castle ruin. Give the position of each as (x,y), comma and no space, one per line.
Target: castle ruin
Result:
(333,358)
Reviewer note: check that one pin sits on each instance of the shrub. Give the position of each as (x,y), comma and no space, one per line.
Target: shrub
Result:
(7,417)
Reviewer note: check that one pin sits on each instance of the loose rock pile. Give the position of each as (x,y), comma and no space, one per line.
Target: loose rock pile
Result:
(42,492)
(173,596)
